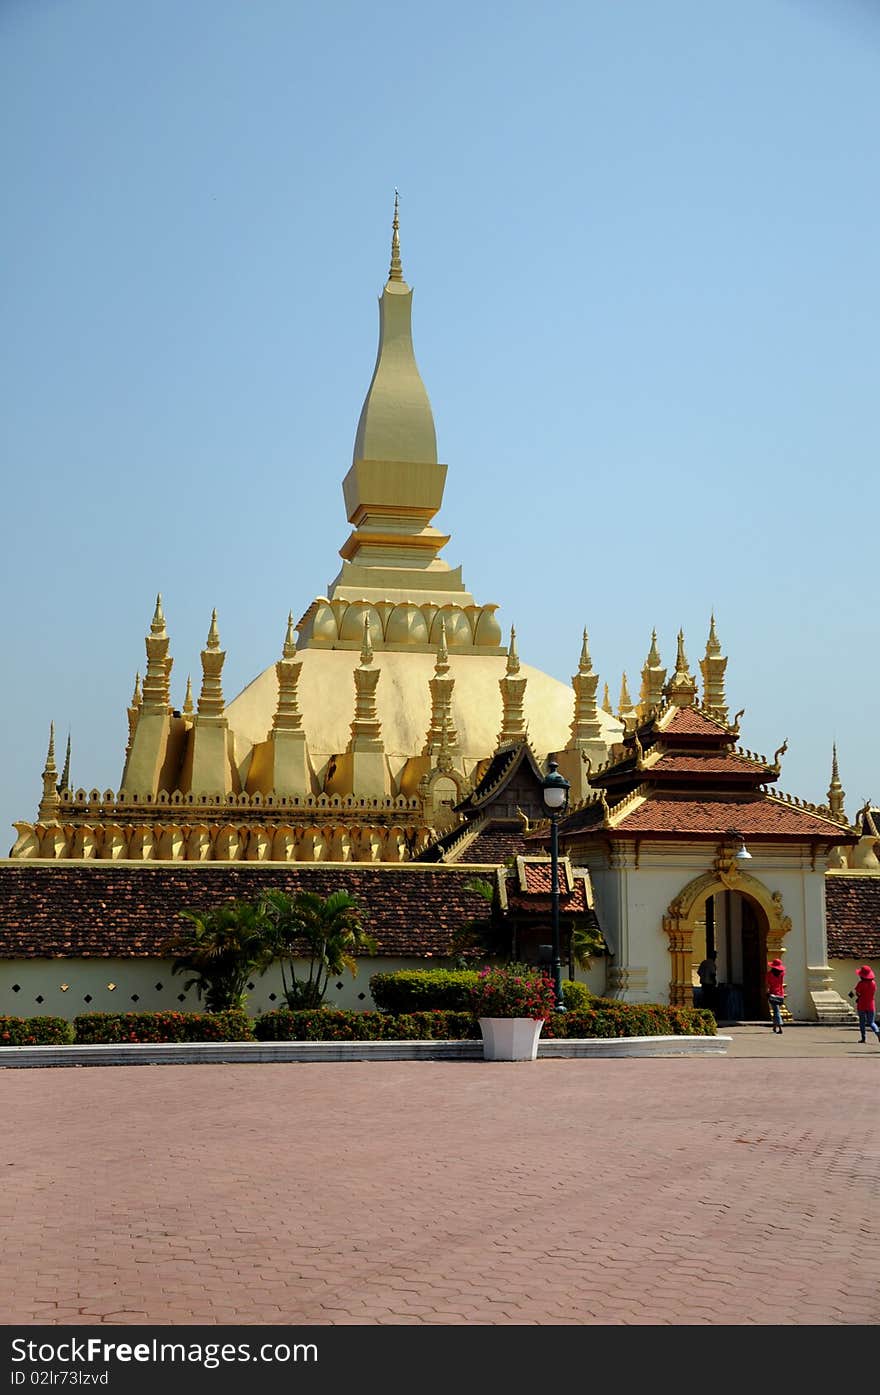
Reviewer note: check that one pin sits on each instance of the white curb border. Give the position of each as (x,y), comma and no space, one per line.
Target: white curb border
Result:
(203,1053)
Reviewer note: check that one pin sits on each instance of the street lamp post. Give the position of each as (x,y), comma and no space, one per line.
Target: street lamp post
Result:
(555,789)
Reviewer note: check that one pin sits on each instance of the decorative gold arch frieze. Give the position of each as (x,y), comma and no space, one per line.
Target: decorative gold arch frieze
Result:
(680,920)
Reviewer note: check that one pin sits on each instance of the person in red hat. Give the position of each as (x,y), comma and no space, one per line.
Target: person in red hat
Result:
(776,991)
(865,995)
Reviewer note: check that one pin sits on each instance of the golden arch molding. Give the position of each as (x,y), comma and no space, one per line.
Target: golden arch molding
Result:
(680,920)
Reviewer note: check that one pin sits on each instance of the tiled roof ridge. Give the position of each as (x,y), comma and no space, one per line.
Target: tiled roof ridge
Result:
(821,811)
(625,806)
(457,839)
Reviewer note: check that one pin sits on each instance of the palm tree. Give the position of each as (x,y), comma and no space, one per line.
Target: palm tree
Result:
(222,948)
(327,931)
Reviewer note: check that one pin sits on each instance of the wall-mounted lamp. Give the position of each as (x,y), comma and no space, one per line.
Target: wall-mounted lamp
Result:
(742,853)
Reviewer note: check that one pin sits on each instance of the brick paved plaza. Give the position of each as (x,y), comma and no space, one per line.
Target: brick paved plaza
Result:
(738,1190)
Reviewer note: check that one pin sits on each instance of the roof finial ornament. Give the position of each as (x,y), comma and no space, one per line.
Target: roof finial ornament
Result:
(396,270)
(289,650)
(188,708)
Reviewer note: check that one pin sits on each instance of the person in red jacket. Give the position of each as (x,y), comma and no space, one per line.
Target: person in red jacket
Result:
(865,995)
(776,991)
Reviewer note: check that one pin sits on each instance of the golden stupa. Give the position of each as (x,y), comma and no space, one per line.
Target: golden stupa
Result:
(384,708)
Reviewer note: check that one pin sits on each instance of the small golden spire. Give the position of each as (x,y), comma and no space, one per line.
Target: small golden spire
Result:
(50,802)
(442,662)
(512,655)
(64,782)
(625,700)
(289,650)
(653,652)
(367,645)
(157,624)
(836,794)
(188,700)
(50,754)
(606,702)
(213,633)
(585,664)
(136,695)
(396,271)
(681,663)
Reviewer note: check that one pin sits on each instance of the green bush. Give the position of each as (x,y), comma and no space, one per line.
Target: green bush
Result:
(336,1024)
(424,990)
(94,1028)
(607,1018)
(576,996)
(35,1031)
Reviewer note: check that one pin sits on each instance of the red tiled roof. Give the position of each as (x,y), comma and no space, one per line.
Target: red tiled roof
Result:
(572,902)
(708,763)
(762,815)
(493,845)
(688,721)
(82,910)
(852,907)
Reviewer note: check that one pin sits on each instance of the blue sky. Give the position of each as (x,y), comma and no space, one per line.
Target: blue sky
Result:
(643,244)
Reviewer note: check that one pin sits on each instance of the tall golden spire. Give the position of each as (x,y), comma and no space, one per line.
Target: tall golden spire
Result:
(188,707)
(513,687)
(366,729)
(712,668)
(681,689)
(211,702)
(50,802)
(585,725)
(653,678)
(156,696)
(442,738)
(396,271)
(287,714)
(836,794)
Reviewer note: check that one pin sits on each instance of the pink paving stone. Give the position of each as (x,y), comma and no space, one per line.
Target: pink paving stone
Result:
(431,1190)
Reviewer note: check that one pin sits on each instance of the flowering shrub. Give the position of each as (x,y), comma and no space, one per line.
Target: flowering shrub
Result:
(94,1028)
(449,990)
(512,990)
(35,1031)
(335,1024)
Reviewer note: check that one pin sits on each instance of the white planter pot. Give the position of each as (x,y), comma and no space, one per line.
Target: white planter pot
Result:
(510,1038)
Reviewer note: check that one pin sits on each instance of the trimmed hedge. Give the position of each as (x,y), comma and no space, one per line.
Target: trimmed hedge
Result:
(94,1028)
(35,1031)
(608,1018)
(336,1024)
(424,990)
(445,990)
